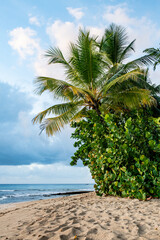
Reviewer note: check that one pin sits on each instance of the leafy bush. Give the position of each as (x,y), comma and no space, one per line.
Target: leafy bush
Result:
(122,152)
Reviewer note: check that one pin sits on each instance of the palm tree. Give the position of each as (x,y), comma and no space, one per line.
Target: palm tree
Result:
(93,81)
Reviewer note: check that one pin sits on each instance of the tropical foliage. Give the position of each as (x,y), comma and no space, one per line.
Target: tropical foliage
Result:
(111,103)
(96,78)
(123,154)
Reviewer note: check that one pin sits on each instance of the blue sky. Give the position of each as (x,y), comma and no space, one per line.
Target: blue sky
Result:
(27,30)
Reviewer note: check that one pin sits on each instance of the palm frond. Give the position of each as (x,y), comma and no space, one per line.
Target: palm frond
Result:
(131,98)
(145,60)
(115,42)
(107,63)
(126,52)
(55,124)
(132,75)
(55,55)
(57,109)
(81,114)
(144,82)
(60,89)
(154,53)
(86,60)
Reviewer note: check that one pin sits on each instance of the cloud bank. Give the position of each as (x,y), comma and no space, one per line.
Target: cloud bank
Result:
(49,173)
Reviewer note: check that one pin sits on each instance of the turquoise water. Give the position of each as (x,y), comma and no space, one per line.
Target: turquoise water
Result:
(11,193)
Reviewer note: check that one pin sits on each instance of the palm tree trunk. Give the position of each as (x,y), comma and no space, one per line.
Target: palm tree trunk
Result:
(96,108)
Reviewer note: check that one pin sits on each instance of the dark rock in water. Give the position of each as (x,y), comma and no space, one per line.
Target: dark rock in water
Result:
(66,193)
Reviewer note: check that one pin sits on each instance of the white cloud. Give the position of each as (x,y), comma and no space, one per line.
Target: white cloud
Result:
(34,21)
(62,33)
(76,12)
(23,41)
(48,173)
(118,14)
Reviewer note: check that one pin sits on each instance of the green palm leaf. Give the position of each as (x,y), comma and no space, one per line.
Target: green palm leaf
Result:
(61,89)
(130,99)
(52,125)
(145,60)
(57,110)
(133,75)
(81,114)
(155,54)
(55,55)
(86,60)
(126,52)
(115,43)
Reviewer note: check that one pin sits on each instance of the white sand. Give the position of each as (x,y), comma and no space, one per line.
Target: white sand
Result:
(83,217)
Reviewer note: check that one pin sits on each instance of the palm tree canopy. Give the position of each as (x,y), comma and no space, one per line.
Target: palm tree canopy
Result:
(91,82)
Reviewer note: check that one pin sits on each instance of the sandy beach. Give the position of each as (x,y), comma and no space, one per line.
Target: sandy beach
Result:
(84,217)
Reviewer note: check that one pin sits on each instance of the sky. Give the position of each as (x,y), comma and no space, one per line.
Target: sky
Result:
(27,29)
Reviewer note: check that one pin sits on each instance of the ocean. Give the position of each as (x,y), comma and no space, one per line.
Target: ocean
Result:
(13,193)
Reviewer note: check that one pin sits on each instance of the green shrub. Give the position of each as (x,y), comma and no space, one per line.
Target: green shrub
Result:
(122,152)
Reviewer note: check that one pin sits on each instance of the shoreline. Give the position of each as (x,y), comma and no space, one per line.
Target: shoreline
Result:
(65,194)
(83,217)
